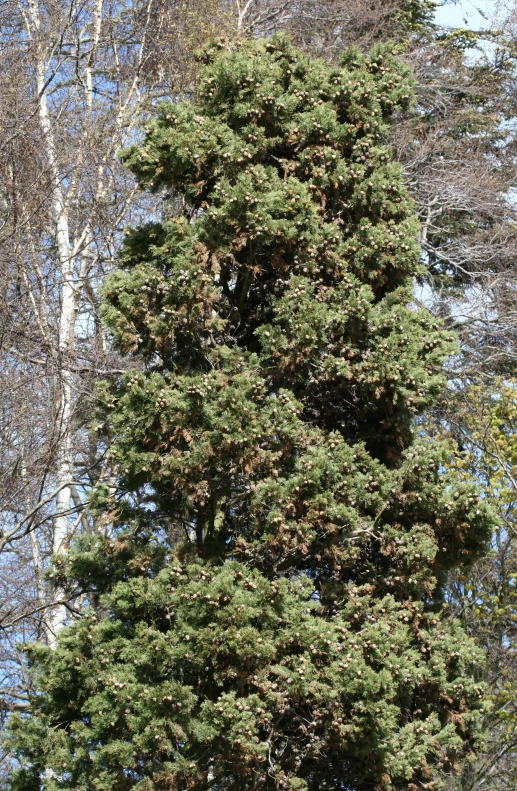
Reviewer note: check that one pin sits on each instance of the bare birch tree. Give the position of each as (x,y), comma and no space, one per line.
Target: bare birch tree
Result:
(76,83)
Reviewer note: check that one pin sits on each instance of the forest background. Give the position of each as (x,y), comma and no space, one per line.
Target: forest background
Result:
(78,80)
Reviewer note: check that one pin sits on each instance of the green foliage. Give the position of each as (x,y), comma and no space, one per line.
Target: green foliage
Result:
(195,666)
(292,638)
(484,425)
(415,16)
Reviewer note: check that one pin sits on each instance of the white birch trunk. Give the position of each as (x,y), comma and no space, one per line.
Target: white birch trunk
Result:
(57,615)
(79,247)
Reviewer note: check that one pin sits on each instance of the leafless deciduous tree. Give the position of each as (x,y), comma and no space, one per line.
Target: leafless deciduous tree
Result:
(458,152)
(77,80)
(326,27)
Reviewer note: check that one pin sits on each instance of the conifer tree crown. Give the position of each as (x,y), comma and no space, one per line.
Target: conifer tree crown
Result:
(270,600)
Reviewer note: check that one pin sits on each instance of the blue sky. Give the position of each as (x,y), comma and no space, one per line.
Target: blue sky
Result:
(467,13)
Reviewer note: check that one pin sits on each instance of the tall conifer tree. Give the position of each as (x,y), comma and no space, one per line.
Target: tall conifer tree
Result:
(266,615)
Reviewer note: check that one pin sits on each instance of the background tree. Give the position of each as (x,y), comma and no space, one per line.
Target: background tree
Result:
(483,434)
(293,638)
(326,28)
